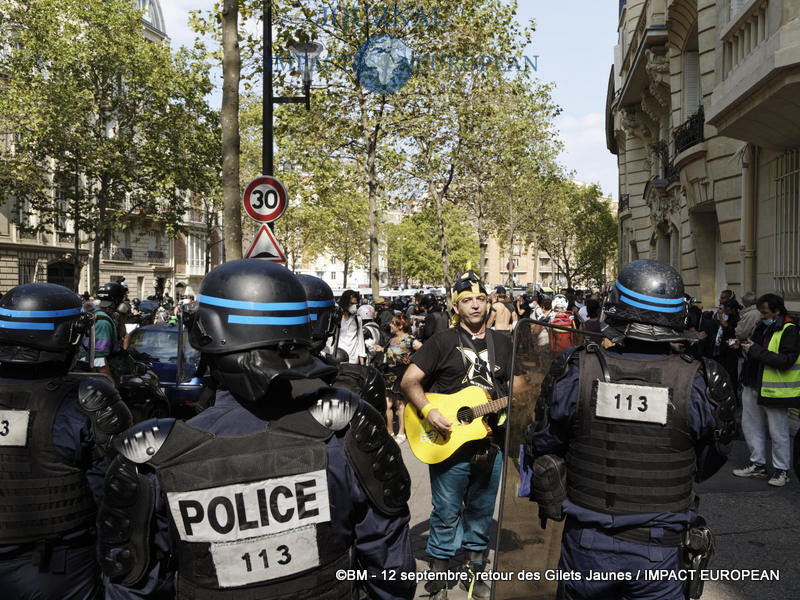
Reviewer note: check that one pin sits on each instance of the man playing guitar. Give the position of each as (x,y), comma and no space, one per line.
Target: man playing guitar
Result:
(463,487)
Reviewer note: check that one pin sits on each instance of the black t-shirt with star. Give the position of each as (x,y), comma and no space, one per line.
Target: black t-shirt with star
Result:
(452,362)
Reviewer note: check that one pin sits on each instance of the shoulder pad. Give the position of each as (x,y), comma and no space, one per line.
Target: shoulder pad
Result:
(141,442)
(123,522)
(377,462)
(335,409)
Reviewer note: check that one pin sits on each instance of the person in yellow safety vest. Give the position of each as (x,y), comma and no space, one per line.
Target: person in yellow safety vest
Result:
(770,386)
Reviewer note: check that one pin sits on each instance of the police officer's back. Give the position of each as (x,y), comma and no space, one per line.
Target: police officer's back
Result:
(51,476)
(635,427)
(279,485)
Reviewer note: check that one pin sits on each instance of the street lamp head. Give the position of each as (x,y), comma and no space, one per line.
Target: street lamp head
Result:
(306,53)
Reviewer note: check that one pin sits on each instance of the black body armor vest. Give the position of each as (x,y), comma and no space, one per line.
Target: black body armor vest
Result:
(42,495)
(250,515)
(622,459)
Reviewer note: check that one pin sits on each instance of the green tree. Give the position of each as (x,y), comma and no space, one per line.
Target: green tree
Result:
(90,100)
(581,238)
(410,241)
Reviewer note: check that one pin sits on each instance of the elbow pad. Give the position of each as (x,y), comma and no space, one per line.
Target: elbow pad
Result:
(720,393)
(377,462)
(109,415)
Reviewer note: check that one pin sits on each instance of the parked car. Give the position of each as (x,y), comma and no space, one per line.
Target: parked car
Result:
(157,347)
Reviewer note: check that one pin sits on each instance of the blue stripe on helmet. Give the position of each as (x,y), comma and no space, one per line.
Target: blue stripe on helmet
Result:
(639,296)
(39,314)
(248,320)
(320,303)
(23,325)
(663,309)
(243,305)
(313,316)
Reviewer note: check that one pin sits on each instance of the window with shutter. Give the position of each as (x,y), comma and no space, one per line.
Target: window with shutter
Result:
(692,93)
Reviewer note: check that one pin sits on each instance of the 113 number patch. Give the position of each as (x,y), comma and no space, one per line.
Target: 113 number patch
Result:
(643,403)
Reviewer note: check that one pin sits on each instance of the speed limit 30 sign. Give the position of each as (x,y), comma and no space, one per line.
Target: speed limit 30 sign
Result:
(265,199)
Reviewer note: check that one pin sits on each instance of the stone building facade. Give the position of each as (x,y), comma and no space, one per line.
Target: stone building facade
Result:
(140,251)
(703,114)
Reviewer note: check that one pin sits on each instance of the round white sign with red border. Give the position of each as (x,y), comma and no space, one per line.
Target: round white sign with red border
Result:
(265,199)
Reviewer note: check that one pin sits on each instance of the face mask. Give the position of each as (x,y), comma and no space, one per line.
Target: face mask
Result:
(767,322)
(352,309)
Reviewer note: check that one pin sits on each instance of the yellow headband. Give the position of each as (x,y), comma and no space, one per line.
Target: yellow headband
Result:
(459,296)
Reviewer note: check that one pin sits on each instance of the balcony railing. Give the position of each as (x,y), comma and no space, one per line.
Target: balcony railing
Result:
(624,202)
(690,132)
(117,254)
(156,256)
(64,237)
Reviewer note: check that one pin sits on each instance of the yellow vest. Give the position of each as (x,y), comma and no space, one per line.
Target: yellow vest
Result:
(780,384)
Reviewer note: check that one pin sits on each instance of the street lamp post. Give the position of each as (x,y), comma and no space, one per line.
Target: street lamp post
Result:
(402,247)
(308,50)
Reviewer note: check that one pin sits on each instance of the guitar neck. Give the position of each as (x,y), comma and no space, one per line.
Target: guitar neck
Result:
(484,409)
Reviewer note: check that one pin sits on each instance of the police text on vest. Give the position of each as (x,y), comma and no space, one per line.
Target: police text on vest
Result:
(246,510)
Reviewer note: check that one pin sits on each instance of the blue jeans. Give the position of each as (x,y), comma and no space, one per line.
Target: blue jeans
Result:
(463,505)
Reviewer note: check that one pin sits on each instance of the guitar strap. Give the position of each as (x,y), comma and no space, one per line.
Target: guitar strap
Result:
(463,337)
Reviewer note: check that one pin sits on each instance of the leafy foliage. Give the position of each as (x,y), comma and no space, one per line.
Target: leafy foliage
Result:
(87,97)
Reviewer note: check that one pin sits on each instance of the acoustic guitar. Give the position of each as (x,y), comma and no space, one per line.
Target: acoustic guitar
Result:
(465,411)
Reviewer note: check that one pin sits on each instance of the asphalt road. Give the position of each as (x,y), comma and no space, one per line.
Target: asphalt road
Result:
(757,529)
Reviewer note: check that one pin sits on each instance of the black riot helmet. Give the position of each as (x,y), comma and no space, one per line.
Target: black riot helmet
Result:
(321,308)
(647,302)
(251,323)
(111,294)
(428,301)
(41,323)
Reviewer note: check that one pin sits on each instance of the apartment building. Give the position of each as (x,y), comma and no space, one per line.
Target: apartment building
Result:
(703,114)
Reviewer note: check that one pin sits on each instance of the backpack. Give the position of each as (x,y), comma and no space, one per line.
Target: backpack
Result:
(561,340)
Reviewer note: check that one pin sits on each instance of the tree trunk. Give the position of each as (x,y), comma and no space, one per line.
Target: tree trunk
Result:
(510,280)
(209,230)
(437,201)
(100,232)
(347,263)
(370,138)
(76,258)
(229,117)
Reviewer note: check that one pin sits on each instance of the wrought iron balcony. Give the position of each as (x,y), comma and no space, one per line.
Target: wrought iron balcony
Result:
(624,202)
(117,254)
(156,256)
(690,132)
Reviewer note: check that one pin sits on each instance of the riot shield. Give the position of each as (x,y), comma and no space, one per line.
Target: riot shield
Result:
(527,554)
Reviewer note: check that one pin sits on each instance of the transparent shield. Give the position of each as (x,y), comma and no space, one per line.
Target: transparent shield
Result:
(527,554)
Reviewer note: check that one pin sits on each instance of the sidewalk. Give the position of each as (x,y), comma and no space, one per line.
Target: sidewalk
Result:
(757,528)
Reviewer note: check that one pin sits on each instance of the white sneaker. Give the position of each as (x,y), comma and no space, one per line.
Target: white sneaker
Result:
(400,438)
(779,479)
(752,470)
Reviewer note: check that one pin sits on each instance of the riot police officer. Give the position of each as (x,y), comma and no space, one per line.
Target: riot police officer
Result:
(366,381)
(274,490)
(109,357)
(634,426)
(52,475)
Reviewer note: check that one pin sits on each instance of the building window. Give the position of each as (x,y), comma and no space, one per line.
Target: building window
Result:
(787,225)
(27,270)
(63,222)
(195,255)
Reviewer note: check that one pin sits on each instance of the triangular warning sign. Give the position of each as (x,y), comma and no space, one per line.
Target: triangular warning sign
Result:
(266,246)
